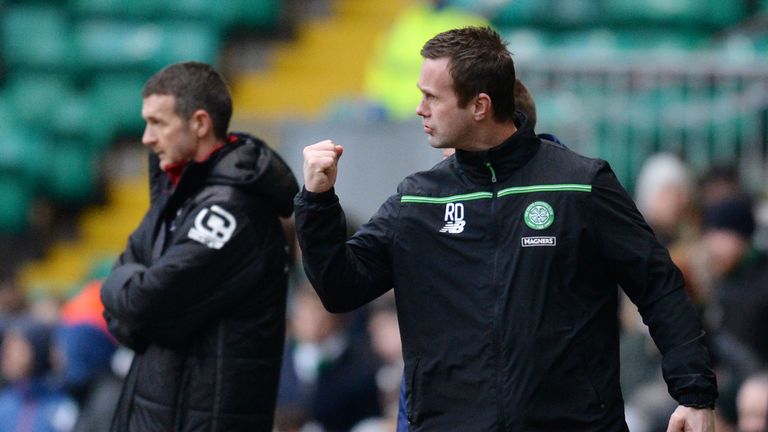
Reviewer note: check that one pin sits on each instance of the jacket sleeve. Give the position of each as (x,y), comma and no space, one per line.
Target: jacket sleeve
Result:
(194,281)
(645,271)
(131,257)
(345,273)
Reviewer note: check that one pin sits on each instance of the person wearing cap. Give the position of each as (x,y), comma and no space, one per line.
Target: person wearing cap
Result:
(739,273)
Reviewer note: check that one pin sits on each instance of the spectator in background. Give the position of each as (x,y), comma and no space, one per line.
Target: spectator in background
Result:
(720,181)
(737,312)
(739,272)
(385,340)
(664,196)
(328,374)
(30,401)
(83,353)
(752,404)
(200,291)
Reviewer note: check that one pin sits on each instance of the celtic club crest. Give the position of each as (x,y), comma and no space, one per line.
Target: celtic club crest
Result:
(539,215)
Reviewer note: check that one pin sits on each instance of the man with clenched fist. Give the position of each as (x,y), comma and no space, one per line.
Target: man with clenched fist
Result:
(505,260)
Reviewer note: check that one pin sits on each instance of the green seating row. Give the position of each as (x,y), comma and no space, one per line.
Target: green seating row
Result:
(31,166)
(250,14)
(93,45)
(52,136)
(711,14)
(109,107)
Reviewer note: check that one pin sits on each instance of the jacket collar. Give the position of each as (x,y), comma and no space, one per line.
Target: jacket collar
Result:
(500,161)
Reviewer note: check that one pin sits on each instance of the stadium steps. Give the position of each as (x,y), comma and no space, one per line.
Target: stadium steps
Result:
(325,63)
(102,235)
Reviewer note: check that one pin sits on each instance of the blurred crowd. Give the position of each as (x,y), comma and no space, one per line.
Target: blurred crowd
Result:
(61,371)
(711,226)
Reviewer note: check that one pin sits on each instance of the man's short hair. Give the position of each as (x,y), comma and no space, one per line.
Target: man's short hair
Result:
(195,86)
(479,62)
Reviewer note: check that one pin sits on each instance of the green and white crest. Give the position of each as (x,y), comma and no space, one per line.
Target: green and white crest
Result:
(539,215)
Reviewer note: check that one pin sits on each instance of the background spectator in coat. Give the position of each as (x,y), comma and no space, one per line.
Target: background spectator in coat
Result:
(30,402)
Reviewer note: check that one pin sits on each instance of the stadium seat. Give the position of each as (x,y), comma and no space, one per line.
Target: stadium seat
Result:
(186,41)
(658,12)
(143,47)
(557,14)
(24,154)
(37,37)
(719,14)
(116,101)
(248,14)
(16,197)
(35,96)
(526,42)
(75,118)
(519,13)
(138,9)
(71,178)
(253,15)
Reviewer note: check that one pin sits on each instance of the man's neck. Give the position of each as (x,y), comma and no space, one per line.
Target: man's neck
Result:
(492,136)
(206,148)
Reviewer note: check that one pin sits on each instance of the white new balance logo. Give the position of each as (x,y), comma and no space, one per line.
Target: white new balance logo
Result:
(454,218)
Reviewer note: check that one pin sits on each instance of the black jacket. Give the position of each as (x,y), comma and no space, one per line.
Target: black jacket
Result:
(200,295)
(505,266)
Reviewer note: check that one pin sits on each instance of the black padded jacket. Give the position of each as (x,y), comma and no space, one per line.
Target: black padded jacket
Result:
(200,295)
(505,266)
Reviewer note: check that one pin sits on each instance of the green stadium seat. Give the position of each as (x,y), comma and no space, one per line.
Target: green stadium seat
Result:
(557,14)
(141,9)
(115,100)
(184,41)
(37,37)
(117,45)
(143,47)
(24,154)
(252,15)
(248,14)
(16,197)
(35,96)
(520,13)
(75,118)
(659,12)
(71,179)
(526,42)
(720,14)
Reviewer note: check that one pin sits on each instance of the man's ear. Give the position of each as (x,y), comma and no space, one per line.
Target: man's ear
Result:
(482,106)
(201,123)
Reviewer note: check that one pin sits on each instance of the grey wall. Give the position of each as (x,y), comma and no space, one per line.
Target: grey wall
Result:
(377,156)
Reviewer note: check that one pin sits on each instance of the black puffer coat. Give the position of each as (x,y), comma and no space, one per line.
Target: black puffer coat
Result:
(200,293)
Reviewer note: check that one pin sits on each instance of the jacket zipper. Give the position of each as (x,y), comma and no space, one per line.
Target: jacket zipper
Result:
(493,172)
(494,282)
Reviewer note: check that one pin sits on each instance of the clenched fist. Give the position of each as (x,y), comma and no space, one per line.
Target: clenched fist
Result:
(320,165)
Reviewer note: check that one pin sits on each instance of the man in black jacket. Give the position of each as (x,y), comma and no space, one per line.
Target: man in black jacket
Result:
(199,292)
(505,260)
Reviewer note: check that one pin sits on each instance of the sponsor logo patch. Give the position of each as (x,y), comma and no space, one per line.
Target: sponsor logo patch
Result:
(214,226)
(538,241)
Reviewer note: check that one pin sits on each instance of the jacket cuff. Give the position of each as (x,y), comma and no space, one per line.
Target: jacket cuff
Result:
(697,400)
(318,197)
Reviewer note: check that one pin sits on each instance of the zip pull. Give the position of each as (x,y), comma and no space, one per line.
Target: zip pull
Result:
(493,173)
